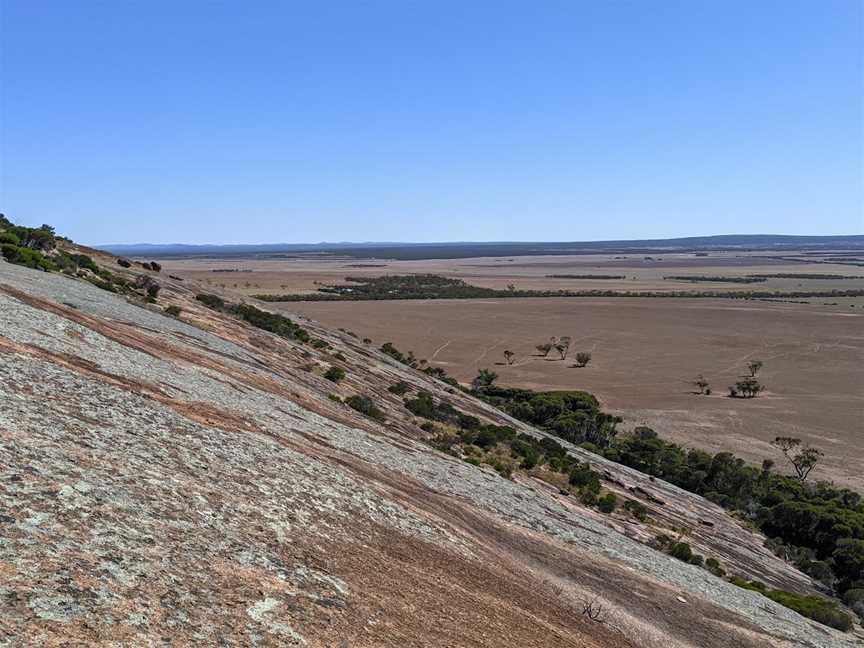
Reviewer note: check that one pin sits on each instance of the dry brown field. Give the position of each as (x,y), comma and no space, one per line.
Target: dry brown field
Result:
(306,274)
(645,351)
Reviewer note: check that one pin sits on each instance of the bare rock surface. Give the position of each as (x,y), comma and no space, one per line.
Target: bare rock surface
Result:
(168,482)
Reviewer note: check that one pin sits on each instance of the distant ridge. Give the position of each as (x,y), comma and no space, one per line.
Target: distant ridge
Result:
(394,250)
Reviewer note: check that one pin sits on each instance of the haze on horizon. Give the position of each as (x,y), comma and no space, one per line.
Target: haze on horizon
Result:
(199,122)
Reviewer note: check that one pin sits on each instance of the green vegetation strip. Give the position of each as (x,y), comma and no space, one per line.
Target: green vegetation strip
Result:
(578,276)
(696,278)
(272,322)
(428,286)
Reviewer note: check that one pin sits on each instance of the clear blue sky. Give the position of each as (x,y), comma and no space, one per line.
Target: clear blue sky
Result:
(285,121)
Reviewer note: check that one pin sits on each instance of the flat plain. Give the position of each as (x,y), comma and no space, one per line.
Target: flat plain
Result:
(645,351)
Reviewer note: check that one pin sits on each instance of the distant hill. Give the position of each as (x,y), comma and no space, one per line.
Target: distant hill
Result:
(460,250)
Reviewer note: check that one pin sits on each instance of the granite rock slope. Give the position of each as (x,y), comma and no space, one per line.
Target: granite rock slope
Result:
(173,482)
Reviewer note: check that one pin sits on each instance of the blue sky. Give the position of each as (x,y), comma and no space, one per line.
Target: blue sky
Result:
(217,122)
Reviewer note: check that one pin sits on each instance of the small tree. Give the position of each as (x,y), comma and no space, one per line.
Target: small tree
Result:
(802,458)
(544,348)
(484,379)
(508,356)
(562,346)
(747,387)
(754,366)
(701,383)
(583,358)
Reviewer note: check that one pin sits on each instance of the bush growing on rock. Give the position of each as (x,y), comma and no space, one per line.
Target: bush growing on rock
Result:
(583,478)
(681,551)
(9,239)
(812,606)
(636,509)
(607,503)
(365,405)
(854,599)
(272,322)
(211,301)
(400,388)
(84,261)
(713,565)
(335,374)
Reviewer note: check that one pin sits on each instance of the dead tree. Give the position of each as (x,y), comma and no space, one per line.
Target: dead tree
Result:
(593,611)
(562,346)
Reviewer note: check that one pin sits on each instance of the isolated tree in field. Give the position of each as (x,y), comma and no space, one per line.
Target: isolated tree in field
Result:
(508,356)
(562,346)
(747,387)
(484,379)
(544,348)
(701,383)
(582,358)
(802,458)
(754,367)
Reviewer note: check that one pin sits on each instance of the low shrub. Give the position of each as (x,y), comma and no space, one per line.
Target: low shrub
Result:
(365,405)
(854,599)
(400,388)
(636,509)
(211,301)
(681,551)
(335,374)
(174,311)
(713,565)
(811,606)
(101,283)
(84,261)
(26,257)
(607,503)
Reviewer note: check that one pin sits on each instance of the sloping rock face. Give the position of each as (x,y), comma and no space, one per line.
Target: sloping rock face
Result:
(174,483)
